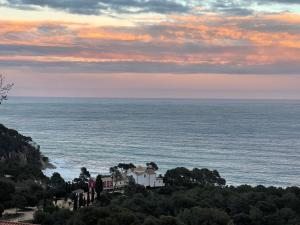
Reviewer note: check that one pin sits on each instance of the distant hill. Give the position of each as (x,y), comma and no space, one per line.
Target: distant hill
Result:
(20,157)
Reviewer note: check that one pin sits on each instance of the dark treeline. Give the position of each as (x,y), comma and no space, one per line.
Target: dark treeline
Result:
(191,197)
(22,182)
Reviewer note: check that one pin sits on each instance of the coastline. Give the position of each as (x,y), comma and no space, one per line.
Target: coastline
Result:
(47,165)
(69,175)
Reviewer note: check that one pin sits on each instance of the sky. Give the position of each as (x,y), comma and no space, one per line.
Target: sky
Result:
(151,48)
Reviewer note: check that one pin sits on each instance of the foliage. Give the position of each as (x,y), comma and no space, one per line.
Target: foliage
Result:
(153,165)
(56,181)
(20,201)
(198,215)
(7,188)
(99,186)
(181,176)
(1,210)
(115,173)
(126,166)
(19,157)
(22,161)
(4,88)
(84,174)
(202,201)
(58,185)
(57,217)
(133,188)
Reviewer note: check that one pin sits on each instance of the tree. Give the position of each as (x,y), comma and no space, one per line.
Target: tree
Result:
(57,181)
(203,216)
(88,199)
(1,210)
(168,220)
(93,195)
(84,174)
(39,217)
(20,201)
(153,165)
(99,186)
(80,201)
(48,206)
(126,166)
(116,174)
(7,188)
(4,88)
(150,221)
(184,177)
(58,185)
(126,218)
(75,206)
(179,176)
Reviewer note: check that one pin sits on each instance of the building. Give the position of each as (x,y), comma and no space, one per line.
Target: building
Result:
(107,183)
(110,184)
(146,176)
(120,182)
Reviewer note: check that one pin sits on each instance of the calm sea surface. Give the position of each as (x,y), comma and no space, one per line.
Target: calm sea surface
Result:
(253,142)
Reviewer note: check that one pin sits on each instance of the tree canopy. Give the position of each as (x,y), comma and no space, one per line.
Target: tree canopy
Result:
(181,176)
(4,88)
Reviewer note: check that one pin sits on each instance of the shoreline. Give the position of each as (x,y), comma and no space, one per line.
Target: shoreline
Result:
(48,165)
(70,174)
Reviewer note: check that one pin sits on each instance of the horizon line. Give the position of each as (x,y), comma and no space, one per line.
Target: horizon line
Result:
(156,98)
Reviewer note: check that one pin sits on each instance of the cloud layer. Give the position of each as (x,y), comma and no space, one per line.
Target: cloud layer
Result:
(117,7)
(210,43)
(96,7)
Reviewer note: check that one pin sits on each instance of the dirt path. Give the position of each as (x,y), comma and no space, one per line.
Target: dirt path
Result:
(26,215)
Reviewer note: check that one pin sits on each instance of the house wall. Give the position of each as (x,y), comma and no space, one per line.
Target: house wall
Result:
(159,182)
(152,178)
(143,180)
(147,180)
(107,183)
(119,183)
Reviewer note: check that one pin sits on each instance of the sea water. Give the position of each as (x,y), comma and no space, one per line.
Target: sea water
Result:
(247,141)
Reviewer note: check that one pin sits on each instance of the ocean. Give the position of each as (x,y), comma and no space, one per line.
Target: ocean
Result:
(247,141)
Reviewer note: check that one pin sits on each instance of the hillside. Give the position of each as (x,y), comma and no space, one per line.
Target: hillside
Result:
(20,157)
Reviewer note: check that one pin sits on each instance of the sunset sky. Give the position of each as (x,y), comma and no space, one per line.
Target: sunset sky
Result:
(151,48)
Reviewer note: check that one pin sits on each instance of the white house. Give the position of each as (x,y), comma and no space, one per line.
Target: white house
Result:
(146,176)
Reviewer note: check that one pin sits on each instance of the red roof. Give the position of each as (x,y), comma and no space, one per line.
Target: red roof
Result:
(13,223)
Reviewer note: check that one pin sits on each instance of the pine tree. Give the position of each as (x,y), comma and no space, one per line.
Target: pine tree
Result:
(75,207)
(93,194)
(99,186)
(88,200)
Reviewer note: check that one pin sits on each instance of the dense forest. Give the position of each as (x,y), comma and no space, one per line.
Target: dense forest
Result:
(21,178)
(191,197)
(20,157)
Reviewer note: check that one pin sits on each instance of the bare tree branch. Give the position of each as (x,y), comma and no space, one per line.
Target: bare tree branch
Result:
(4,88)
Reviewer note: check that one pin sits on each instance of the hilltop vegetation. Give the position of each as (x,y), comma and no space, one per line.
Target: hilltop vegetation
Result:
(21,176)
(190,197)
(20,157)
(186,203)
